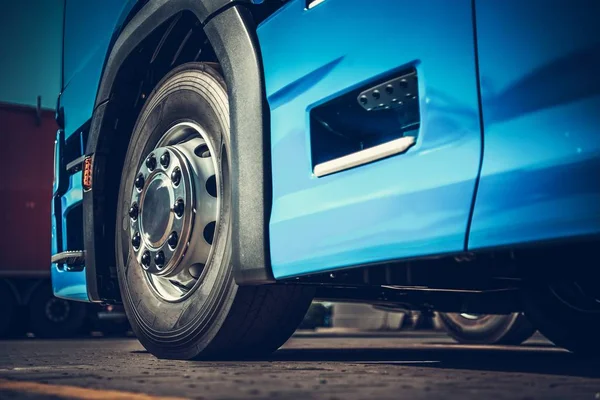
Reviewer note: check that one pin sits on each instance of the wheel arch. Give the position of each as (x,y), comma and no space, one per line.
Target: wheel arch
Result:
(13,289)
(22,287)
(149,45)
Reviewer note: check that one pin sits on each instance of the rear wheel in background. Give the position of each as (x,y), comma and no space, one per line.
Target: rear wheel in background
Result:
(51,317)
(510,329)
(8,310)
(567,313)
(173,236)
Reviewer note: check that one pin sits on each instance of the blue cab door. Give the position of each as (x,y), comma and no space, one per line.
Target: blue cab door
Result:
(540,84)
(414,204)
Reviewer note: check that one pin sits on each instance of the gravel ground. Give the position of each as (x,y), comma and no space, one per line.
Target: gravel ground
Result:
(335,365)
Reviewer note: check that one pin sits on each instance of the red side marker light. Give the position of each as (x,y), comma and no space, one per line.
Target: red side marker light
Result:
(87,173)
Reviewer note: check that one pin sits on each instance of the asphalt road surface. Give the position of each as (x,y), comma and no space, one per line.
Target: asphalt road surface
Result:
(412,366)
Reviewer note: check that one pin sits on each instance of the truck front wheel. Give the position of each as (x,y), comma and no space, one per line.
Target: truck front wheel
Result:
(173,236)
(567,313)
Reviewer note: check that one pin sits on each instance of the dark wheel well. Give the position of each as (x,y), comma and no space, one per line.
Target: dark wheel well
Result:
(179,40)
(155,41)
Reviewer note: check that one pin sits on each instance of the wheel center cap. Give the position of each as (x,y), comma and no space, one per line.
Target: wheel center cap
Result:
(173,212)
(157,217)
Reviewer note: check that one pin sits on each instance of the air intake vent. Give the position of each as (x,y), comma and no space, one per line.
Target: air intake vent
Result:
(373,122)
(397,93)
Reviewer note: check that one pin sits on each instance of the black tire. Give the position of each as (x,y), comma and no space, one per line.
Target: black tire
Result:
(315,317)
(218,319)
(572,325)
(51,317)
(511,329)
(8,311)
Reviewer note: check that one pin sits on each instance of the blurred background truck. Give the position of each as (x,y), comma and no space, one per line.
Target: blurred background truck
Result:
(26,301)
(30,75)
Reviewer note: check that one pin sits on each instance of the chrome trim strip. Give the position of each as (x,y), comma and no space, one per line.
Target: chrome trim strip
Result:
(384,150)
(313,4)
(76,163)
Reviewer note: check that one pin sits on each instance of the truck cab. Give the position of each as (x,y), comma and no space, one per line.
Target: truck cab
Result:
(233,160)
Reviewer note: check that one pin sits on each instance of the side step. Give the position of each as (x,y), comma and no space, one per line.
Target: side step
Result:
(376,121)
(74,258)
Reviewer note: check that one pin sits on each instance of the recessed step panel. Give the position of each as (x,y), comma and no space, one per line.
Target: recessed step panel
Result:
(367,124)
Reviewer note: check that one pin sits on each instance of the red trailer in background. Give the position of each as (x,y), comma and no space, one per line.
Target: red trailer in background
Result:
(26,300)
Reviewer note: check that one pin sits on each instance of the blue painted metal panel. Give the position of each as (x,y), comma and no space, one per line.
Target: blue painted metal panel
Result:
(539,63)
(67,284)
(72,198)
(70,285)
(409,205)
(89,28)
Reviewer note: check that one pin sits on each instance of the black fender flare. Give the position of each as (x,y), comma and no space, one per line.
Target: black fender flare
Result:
(231,31)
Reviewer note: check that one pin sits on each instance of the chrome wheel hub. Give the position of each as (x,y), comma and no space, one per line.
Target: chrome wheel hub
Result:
(174,209)
(155,224)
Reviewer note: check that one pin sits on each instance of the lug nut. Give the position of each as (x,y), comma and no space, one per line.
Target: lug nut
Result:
(173,240)
(176,176)
(146,259)
(179,208)
(151,162)
(136,241)
(159,259)
(139,182)
(133,211)
(165,159)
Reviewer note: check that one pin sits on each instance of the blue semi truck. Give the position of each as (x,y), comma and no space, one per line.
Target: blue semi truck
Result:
(232,160)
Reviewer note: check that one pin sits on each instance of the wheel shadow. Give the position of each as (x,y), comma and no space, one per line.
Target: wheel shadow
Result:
(538,359)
